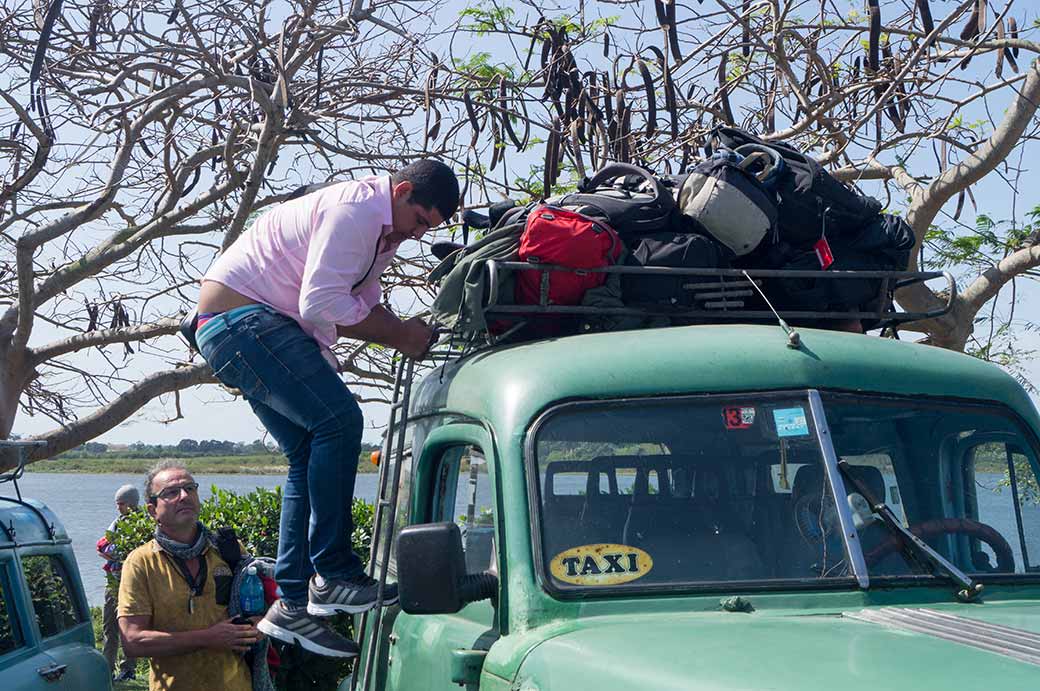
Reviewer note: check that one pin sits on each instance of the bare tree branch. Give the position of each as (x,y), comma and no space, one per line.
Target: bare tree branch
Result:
(985,287)
(169,138)
(103,337)
(75,433)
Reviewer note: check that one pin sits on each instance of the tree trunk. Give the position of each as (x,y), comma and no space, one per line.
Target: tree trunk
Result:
(15,374)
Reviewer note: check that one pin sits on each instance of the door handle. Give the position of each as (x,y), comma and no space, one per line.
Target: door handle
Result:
(52,673)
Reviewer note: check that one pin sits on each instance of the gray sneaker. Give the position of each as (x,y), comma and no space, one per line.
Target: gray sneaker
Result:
(353,596)
(293,625)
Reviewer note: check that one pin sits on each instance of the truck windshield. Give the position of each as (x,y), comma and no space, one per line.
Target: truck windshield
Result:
(720,490)
(690,490)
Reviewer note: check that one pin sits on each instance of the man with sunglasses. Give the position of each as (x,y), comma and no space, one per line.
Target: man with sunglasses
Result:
(174,592)
(270,308)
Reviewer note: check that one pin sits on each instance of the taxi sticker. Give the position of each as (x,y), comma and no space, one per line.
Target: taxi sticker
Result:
(790,422)
(738,417)
(601,564)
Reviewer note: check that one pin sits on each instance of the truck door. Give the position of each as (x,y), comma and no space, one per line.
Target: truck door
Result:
(23,665)
(61,620)
(453,480)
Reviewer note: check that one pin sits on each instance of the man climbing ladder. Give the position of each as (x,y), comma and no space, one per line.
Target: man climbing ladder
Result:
(306,273)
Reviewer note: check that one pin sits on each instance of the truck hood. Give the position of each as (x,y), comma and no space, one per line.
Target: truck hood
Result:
(862,649)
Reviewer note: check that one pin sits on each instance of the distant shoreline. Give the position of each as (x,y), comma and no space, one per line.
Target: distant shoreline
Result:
(205,465)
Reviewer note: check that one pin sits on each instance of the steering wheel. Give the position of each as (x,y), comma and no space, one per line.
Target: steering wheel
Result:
(947,526)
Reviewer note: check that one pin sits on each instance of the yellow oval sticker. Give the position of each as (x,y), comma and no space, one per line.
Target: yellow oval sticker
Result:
(601,564)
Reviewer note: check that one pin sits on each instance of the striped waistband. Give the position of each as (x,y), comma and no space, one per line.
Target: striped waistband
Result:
(222,320)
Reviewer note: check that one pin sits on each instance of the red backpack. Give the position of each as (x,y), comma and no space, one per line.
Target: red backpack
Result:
(564,238)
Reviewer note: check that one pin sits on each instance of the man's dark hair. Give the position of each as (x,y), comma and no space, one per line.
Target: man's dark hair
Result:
(434,185)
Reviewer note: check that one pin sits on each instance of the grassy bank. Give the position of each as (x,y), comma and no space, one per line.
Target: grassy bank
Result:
(261,464)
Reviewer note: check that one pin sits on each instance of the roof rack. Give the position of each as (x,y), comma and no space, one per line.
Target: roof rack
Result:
(21,447)
(722,295)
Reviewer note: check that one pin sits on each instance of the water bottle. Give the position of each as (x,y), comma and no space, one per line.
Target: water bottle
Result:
(251,593)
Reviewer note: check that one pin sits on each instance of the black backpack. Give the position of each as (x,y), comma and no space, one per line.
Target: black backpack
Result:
(628,198)
(812,203)
(730,203)
(230,549)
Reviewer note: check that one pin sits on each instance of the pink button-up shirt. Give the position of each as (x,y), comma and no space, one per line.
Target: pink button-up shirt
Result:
(317,258)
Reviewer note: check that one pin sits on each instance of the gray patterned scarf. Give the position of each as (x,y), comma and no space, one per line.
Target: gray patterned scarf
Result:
(181,550)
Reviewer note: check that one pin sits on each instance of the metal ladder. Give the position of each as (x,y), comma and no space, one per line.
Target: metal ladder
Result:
(391,461)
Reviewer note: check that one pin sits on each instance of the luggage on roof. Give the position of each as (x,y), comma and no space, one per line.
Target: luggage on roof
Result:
(630,199)
(811,202)
(759,226)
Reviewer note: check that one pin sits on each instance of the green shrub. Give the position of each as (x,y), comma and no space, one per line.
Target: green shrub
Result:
(255,517)
(52,602)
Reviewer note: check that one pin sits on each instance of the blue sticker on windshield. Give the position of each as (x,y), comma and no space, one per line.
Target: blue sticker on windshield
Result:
(790,422)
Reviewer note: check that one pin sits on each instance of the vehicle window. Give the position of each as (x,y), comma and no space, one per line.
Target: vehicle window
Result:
(694,490)
(463,495)
(51,593)
(414,438)
(401,518)
(10,636)
(993,472)
(1023,473)
(947,472)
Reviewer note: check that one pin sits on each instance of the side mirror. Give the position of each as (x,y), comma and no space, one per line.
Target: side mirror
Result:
(431,571)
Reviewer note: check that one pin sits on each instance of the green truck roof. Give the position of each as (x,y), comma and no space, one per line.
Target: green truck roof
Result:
(27,522)
(510,384)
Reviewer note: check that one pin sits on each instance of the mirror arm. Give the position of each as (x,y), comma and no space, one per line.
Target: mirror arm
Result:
(480,586)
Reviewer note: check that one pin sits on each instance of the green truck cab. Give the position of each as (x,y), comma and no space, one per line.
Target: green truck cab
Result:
(709,507)
(46,637)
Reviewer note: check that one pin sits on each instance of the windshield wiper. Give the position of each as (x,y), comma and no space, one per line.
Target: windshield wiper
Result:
(911,543)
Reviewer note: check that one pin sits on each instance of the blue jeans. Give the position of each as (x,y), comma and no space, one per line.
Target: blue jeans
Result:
(312,415)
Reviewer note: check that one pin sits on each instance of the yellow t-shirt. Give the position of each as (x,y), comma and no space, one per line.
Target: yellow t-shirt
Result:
(152,585)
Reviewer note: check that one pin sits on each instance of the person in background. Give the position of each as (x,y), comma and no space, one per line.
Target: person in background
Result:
(127,500)
(174,594)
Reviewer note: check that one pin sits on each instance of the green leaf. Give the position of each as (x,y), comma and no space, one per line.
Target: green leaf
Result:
(479,65)
(487,17)
(254,516)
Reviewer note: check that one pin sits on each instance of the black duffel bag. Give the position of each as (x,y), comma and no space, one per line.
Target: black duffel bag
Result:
(883,245)
(690,250)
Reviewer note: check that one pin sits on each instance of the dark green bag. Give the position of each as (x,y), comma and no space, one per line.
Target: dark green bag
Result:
(463,281)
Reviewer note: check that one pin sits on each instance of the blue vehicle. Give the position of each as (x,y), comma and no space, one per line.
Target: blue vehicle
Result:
(46,637)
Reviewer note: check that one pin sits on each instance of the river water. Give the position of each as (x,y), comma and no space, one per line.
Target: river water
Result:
(84,503)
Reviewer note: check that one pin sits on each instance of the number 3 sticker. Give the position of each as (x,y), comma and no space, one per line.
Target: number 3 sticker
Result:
(738,417)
